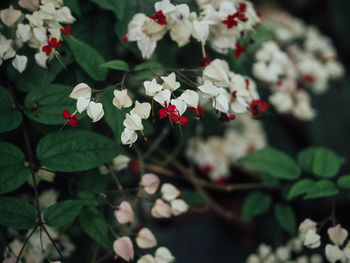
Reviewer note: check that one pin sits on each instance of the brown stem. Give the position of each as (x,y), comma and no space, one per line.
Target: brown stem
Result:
(116,180)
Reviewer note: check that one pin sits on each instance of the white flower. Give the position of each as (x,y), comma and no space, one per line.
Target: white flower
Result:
(152,87)
(283,253)
(121,99)
(165,6)
(41,59)
(124,248)
(163,255)
(124,214)
(200,30)
(161,209)
(253,258)
(163,96)
(282,101)
(217,72)
(20,63)
(146,259)
(312,239)
(190,97)
(337,234)
(220,103)
(145,239)
(81,90)
(56,3)
(64,16)
(180,105)
(47,11)
(82,104)
(181,32)
(40,34)
(128,136)
(23,33)
(208,89)
(10,16)
(121,162)
(147,47)
(95,111)
(169,192)
(264,250)
(178,207)
(181,13)
(142,109)
(333,253)
(133,122)
(31,5)
(170,82)
(34,19)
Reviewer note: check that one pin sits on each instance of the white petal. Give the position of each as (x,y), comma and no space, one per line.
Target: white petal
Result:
(95,111)
(190,97)
(81,90)
(82,104)
(20,63)
(163,96)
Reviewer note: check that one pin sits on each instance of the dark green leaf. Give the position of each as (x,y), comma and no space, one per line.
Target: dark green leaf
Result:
(74,150)
(13,172)
(322,188)
(10,118)
(62,213)
(147,70)
(320,161)
(117,65)
(272,162)
(46,106)
(255,204)
(93,224)
(87,198)
(194,198)
(344,181)
(119,7)
(286,218)
(88,58)
(300,187)
(17,213)
(74,6)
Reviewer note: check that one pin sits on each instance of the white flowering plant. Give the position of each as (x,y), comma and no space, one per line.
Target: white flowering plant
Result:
(119,116)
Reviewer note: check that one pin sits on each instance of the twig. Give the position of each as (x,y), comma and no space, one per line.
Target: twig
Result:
(142,171)
(25,243)
(117,182)
(156,142)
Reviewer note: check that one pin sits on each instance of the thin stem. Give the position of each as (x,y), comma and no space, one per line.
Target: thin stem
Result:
(116,180)
(156,142)
(25,243)
(142,171)
(53,242)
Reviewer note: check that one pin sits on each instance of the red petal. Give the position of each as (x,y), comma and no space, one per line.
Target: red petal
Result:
(174,117)
(65,114)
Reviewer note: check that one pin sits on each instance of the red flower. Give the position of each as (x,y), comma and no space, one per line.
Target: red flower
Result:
(163,112)
(183,120)
(242,7)
(257,108)
(134,167)
(71,119)
(125,38)
(308,78)
(200,110)
(159,17)
(240,49)
(204,62)
(66,30)
(174,117)
(205,170)
(51,44)
(226,117)
(231,20)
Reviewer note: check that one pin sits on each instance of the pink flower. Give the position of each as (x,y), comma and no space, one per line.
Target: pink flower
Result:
(9,260)
(150,182)
(161,209)
(124,248)
(146,239)
(337,234)
(125,214)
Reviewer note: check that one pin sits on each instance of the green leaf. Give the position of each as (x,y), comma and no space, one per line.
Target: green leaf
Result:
(13,172)
(89,198)
(93,224)
(272,162)
(113,116)
(46,106)
(344,181)
(320,161)
(75,150)
(62,213)
(255,204)
(322,188)
(194,198)
(17,213)
(74,6)
(147,70)
(10,118)
(299,188)
(88,58)
(119,7)
(286,218)
(116,64)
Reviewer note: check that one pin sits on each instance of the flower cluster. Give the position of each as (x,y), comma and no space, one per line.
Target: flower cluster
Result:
(289,253)
(41,29)
(335,251)
(215,155)
(299,58)
(221,23)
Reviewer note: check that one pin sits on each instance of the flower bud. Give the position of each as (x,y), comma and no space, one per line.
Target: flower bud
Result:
(124,248)
(337,234)
(125,214)
(169,192)
(146,239)
(150,182)
(161,209)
